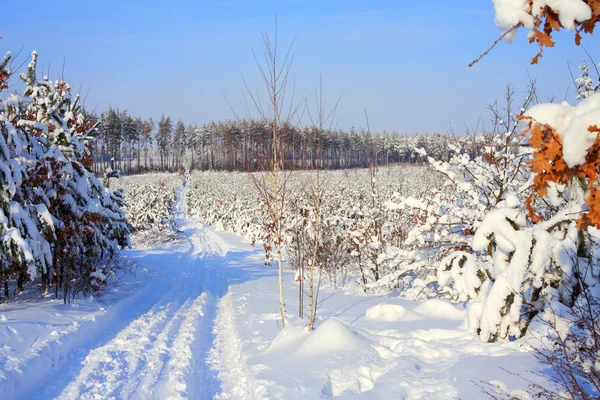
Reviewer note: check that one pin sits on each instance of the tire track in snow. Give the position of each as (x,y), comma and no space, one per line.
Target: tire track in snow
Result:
(188,375)
(157,361)
(228,359)
(117,318)
(117,368)
(174,382)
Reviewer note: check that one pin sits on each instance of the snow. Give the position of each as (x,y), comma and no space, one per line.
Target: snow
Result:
(439,309)
(510,13)
(568,11)
(572,125)
(380,350)
(557,116)
(199,319)
(391,312)
(331,338)
(577,138)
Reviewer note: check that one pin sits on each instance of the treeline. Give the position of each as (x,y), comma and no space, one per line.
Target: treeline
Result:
(138,145)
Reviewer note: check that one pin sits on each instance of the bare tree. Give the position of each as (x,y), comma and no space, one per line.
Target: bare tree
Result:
(317,197)
(276,106)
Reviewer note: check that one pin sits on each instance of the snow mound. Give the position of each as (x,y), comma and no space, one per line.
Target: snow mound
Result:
(332,336)
(391,312)
(287,339)
(435,308)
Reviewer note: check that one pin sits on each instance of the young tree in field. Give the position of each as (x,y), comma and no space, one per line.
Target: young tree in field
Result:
(585,84)
(539,248)
(89,223)
(318,192)
(276,107)
(60,221)
(24,230)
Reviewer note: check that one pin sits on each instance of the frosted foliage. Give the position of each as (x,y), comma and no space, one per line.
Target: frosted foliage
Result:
(527,263)
(475,185)
(512,269)
(501,311)
(467,276)
(20,238)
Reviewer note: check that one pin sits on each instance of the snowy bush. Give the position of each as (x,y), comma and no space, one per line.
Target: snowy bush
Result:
(530,245)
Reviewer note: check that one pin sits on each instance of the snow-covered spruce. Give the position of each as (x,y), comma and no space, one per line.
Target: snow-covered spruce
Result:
(57,221)
(585,84)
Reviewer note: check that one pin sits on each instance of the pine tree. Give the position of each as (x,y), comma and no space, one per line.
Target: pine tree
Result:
(585,84)
(163,140)
(24,225)
(179,143)
(58,219)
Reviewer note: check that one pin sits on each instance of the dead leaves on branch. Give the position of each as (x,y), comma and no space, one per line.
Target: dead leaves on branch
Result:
(548,166)
(548,22)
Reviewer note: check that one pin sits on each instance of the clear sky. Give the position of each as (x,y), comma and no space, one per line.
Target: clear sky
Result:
(405,62)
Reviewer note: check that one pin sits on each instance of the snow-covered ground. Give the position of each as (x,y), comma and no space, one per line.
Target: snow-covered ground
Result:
(364,347)
(199,319)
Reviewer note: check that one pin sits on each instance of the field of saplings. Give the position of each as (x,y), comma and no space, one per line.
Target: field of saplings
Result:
(149,201)
(364,224)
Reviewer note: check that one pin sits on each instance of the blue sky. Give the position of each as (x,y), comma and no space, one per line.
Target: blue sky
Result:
(405,62)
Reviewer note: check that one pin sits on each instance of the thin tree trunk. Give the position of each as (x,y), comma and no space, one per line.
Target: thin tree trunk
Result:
(20,281)
(311,282)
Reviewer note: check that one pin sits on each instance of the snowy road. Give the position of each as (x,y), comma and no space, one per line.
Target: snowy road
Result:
(151,344)
(160,353)
(201,322)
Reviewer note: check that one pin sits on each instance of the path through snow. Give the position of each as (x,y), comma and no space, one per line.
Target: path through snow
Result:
(152,343)
(160,353)
(202,322)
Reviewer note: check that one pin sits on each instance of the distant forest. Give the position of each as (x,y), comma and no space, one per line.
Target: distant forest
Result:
(137,146)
